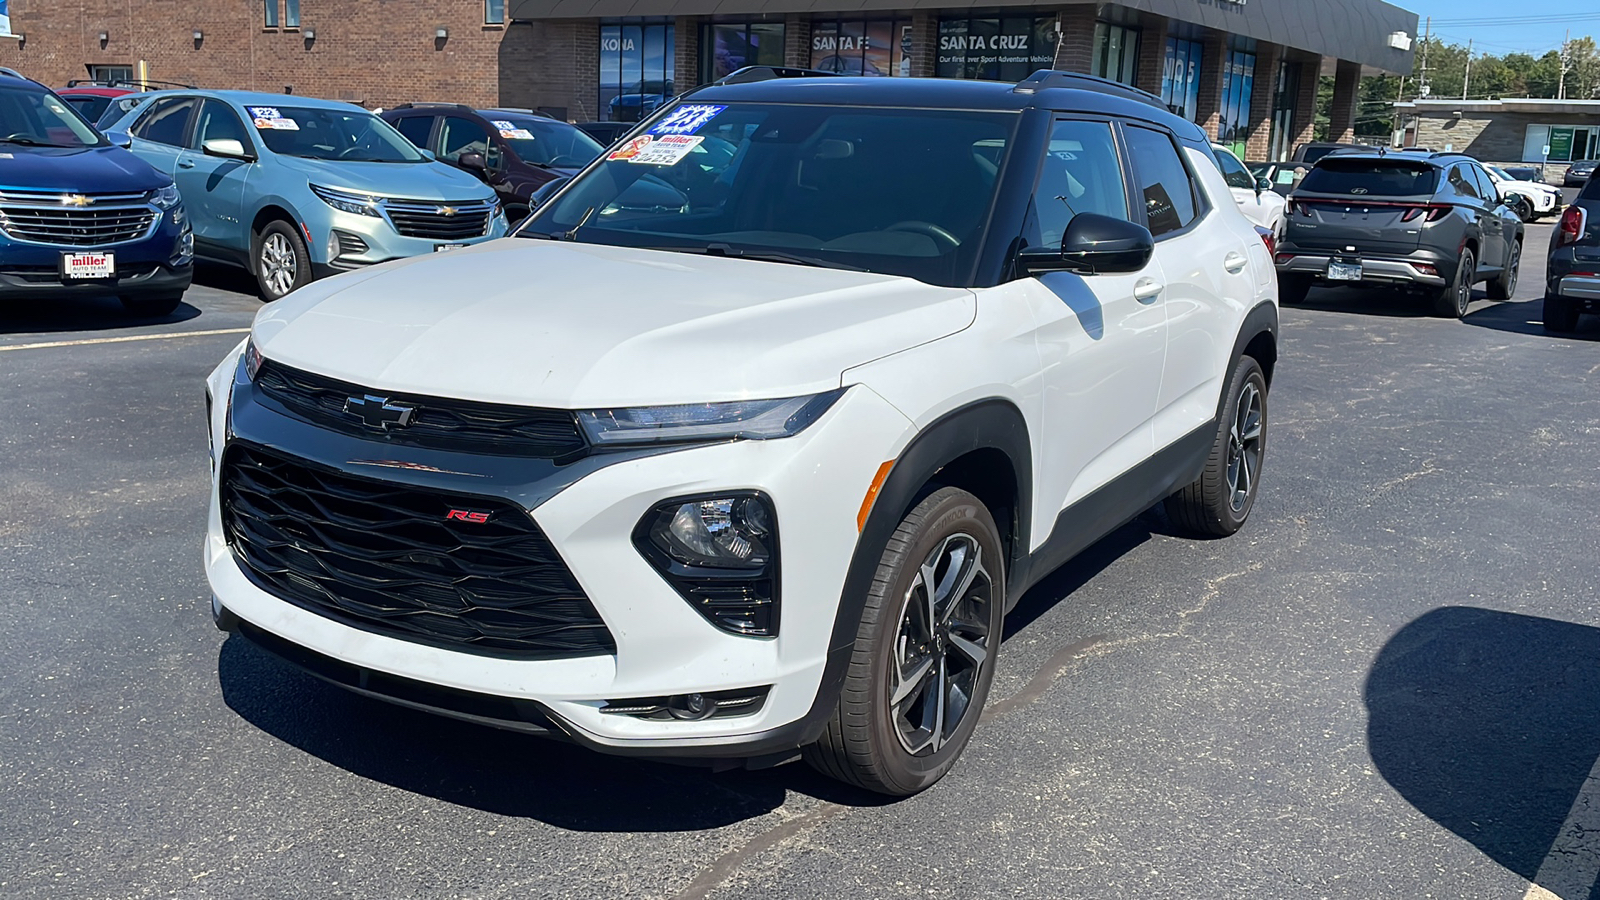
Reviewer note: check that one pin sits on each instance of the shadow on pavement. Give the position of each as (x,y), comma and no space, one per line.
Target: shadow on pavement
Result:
(80,314)
(1488,723)
(1527,317)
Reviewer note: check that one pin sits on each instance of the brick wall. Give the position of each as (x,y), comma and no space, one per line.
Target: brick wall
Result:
(1304,127)
(1075,52)
(1342,114)
(924,44)
(1262,94)
(1490,136)
(1152,53)
(1208,106)
(797,41)
(378,52)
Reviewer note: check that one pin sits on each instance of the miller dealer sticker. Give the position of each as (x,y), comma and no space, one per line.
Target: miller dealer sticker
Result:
(630,149)
(667,150)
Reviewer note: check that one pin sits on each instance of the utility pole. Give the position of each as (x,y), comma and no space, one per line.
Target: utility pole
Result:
(1566,63)
(1422,80)
(1467,79)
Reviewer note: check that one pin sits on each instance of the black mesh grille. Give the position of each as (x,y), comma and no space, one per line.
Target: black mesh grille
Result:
(438,423)
(388,558)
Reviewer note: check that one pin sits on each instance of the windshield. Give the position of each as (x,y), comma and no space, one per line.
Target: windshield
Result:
(348,135)
(40,119)
(545,142)
(1374,177)
(89,106)
(899,191)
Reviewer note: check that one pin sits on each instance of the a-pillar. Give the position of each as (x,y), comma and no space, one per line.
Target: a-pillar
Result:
(1152,53)
(1075,49)
(1342,116)
(1263,95)
(1213,59)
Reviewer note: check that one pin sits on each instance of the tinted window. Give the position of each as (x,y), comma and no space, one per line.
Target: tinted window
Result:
(89,106)
(416,129)
(1081,173)
(119,108)
(218,122)
(1163,181)
(1485,184)
(545,142)
(164,122)
(459,136)
(1375,177)
(1233,171)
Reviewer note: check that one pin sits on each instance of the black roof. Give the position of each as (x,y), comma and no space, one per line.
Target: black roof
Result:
(1037,92)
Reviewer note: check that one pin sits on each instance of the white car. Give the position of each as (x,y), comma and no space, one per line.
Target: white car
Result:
(1256,198)
(1542,199)
(742,447)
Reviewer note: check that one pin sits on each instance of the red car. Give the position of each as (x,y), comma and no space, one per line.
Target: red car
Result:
(92,100)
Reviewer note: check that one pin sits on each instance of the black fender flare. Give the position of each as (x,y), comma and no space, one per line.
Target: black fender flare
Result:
(1263,319)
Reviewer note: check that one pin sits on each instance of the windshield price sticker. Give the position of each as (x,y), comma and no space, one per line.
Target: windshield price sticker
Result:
(630,149)
(503,125)
(686,119)
(667,150)
(268,117)
(516,134)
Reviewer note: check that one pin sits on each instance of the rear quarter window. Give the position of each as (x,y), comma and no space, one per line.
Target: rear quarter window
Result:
(1371,177)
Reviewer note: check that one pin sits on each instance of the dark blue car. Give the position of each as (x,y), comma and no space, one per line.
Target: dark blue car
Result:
(81,216)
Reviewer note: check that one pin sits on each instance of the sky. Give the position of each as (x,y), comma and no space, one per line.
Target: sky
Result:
(1498,27)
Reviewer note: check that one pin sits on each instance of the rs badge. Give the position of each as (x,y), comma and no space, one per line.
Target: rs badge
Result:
(467,515)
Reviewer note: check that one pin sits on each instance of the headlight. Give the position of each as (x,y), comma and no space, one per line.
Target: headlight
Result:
(347,201)
(755,420)
(166,198)
(252,359)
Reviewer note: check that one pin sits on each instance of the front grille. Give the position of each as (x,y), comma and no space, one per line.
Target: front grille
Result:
(385,557)
(421,219)
(438,423)
(43,218)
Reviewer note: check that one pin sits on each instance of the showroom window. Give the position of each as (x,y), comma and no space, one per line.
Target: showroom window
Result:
(999,48)
(876,47)
(636,69)
(1116,49)
(1238,83)
(494,12)
(729,46)
(1180,75)
(1566,143)
(271,7)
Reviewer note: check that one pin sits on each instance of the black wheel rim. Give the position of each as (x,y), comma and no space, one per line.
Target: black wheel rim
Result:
(943,645)
(1244,447)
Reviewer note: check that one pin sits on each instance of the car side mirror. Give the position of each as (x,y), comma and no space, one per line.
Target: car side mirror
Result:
(428,154)
(120,138)
(473,162)
(1094,245)
(227,148)
(1263,184)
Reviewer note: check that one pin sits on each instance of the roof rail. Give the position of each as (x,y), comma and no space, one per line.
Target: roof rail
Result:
(423,103)
(13,73)
(1052,78)
(750,74)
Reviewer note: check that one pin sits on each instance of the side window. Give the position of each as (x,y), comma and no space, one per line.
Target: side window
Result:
(1486,186)
(218,122)
(458,136)
(1461,181)
(1233,171)
(416,129)
(1080,173)
(165,121)
(1164,183)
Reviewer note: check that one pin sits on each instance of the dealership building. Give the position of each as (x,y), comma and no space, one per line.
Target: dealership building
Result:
(1513,129)
(1246,70)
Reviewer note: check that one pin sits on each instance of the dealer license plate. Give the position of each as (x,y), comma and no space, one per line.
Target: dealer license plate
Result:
(1339,270)
(440,248)
(76,266)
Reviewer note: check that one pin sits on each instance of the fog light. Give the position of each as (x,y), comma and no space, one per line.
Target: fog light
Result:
(690,707)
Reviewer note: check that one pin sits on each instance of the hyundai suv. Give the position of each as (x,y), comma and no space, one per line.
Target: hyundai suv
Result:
(1572,273)
(1431,222)
(80,216)
(744,443)
(294,189)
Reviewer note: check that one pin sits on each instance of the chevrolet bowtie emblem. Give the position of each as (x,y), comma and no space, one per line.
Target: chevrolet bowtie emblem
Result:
(380,412)
(447,210)
(78,200)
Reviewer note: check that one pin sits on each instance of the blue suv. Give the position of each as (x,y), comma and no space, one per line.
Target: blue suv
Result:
(81,216)
(294,188)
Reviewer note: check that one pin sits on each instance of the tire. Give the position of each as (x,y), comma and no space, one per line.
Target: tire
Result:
(1292,289)
(900,749)
(1505,284)
(1217,503)
(152,305)
(1560,313)
(1452,300)
(1523,208)
(281,261)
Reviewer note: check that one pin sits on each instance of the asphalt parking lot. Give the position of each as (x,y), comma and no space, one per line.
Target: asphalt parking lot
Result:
(1385,685)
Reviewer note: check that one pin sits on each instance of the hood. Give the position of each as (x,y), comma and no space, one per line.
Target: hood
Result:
(413,181)
(86,170)
(560,324)
(1524,186)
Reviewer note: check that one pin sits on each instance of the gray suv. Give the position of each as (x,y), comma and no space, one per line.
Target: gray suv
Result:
(1431,222)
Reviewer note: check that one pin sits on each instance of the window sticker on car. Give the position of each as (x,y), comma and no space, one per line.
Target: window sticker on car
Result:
(279,124)
(667,150)
(686,119)
(264,112)
(502,125)
(630,149)
(516,134)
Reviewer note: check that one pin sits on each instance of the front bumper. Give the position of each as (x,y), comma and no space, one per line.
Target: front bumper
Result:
(588,510)
(382,242)
(161,262)
(1383,268)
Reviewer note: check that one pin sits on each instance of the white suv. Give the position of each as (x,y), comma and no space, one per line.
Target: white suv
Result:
(744,444)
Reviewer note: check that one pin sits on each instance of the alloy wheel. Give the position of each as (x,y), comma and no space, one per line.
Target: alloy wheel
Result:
(1244,447)
(943,644)
(279,267)
(1464,287)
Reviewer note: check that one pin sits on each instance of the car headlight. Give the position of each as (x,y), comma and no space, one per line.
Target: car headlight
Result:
(755,420)
(347,201)
(166,197)
(251,359)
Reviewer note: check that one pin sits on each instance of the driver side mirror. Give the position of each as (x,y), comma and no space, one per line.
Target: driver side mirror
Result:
(227,148)
(1263,184)
(120,138)
(473,162)
(1094,245)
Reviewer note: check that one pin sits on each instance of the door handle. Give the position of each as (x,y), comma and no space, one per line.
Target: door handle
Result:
(185,163)
(1147,289)
(1234,262)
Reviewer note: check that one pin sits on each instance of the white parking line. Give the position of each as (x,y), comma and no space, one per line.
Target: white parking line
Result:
(1573,863)
(124,339)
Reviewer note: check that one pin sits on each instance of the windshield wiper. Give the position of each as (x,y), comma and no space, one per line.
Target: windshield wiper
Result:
(720,249)
(30,142)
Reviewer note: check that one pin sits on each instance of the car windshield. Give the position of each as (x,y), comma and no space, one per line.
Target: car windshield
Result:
(347,135)
(1376,177)
(899,191)
(545,142)
(40,119)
